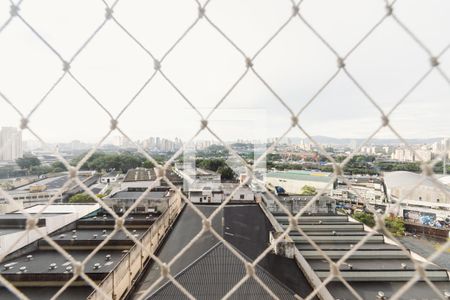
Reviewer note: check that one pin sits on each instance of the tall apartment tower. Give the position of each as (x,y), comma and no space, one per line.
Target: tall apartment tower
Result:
(10,144)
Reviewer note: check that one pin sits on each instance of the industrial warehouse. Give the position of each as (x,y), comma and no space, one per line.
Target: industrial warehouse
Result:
(207,258)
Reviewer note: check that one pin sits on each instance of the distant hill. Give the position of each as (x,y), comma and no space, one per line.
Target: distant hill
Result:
(325,140)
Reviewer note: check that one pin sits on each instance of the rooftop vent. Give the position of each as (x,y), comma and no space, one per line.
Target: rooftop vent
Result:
(74,237)
(96,266)
(94,218)
(74,231)
(23,269)
(381,296)
(284,247)
(52,266)
(95,235)
(69,268)
(29,257)
(61,236)
(134,230)
(447,295)
(8,266)
(108,256)
(104,231)
(350,266)
(404,266)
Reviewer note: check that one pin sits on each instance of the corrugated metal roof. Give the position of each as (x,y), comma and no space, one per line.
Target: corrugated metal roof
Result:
(215,273)
(374,266)
(248,235)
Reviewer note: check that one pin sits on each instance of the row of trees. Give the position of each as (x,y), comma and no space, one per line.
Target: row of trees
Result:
(33,166)
(98,161)
(217,165)
(359,164)
(118,161)
(83,198)
(395,225)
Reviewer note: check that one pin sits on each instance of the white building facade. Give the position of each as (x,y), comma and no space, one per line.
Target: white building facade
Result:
(10,144)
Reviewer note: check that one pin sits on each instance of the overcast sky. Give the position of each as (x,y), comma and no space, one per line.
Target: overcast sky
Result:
(204,66)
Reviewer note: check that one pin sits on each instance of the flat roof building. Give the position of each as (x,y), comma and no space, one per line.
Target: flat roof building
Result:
(293,181)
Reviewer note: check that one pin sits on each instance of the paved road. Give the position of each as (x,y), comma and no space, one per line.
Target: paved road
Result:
(425,247)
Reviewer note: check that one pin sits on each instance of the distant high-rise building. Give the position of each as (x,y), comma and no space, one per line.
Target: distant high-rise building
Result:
(423,155)
(10,144)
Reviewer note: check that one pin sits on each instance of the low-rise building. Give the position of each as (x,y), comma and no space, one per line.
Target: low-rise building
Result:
(111,177)
(294,181)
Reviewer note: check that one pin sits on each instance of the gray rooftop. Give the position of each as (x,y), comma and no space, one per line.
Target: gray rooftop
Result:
(39,264)
(52,183)
(247,235)
(375,266)
(152,195)
(215,273)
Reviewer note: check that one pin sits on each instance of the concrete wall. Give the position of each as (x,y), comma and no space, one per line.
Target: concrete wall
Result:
(120,280)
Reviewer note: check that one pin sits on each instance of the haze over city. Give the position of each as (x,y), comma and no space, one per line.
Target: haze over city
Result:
(114,74)
(224,149)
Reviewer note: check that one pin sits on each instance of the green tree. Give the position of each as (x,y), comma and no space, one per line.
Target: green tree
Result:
(81,198)
(27,162)
(212,164)
(57,166)
(308,190)
(395,225)
(365,218)
(119,161)
(226,173)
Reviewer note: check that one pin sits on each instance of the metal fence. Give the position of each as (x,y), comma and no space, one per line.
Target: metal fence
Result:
(436,57)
